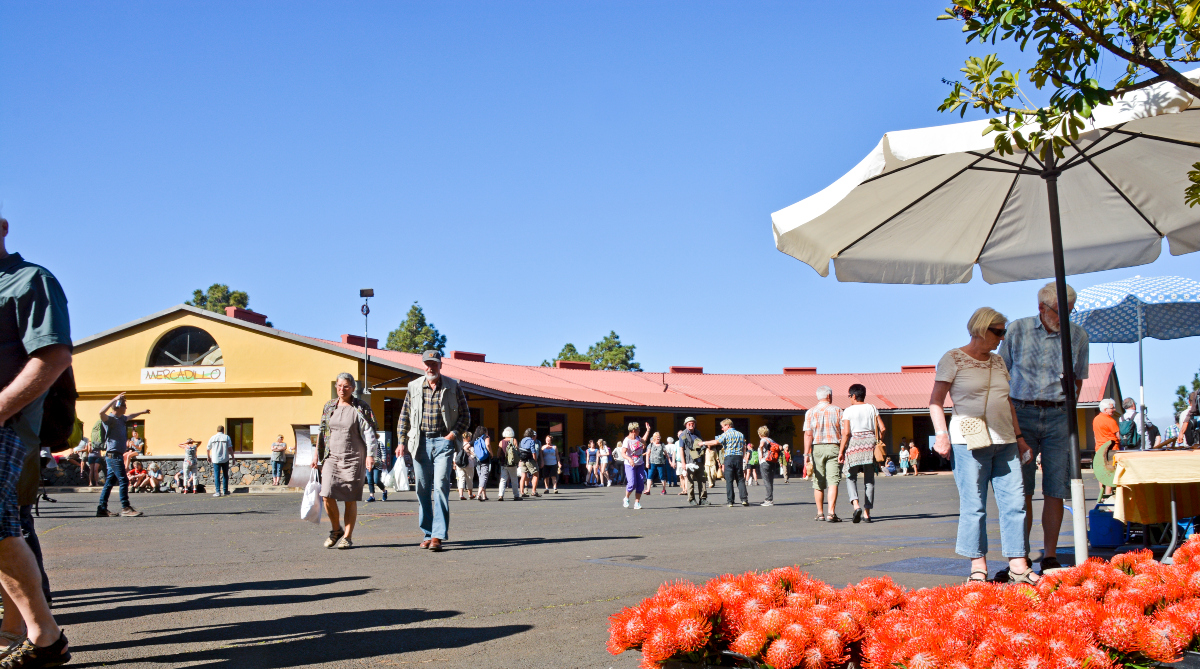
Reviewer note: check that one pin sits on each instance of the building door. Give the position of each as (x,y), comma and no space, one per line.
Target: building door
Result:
(553,425)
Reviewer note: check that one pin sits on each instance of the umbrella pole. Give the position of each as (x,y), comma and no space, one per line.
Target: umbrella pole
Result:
(1078,502)
(1141,380)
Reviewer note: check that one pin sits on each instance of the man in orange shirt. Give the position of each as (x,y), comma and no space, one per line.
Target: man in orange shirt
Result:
(1105,426)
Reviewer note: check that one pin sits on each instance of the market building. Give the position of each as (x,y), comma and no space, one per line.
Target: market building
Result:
(196,369)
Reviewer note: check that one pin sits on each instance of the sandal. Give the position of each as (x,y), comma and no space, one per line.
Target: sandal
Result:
(972,579)
(833,519)
(29,655)
(820,518)
(1024,577)
(11,643)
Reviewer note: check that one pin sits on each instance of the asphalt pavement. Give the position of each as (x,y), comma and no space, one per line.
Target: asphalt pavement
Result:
(242,582)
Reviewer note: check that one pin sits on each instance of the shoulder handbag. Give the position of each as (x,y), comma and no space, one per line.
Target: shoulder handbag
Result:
(461,458)
(974,429)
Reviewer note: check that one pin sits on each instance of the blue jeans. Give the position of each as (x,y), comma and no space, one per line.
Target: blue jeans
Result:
(115,474)
(999,465)
(221,477)
(277,470)
(431,465)
(735,471)
(1045,430)
(658,472)
(375,478)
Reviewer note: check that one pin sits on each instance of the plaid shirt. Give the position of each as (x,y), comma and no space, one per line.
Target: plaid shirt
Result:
(1034,359)
(431,414)
(733,441)
(825,423)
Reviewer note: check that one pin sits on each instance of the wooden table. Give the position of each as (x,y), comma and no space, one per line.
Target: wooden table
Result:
(1157,487)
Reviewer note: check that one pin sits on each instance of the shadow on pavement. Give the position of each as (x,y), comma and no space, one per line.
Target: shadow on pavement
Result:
(351,636)
(194,597)
(523,541)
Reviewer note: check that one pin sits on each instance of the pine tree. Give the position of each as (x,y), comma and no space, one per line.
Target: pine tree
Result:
(415,334)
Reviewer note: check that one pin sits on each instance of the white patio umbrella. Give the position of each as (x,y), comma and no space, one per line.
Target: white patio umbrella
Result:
(927,205)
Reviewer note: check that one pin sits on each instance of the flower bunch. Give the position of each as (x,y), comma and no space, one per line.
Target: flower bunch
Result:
(1131,611)
(783,618)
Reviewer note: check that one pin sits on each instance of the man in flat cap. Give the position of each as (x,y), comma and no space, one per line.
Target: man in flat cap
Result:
(693,450)
(433,417)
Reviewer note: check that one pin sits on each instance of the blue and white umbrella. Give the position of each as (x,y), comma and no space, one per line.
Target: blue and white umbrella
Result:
(1127,311)
(1123,312)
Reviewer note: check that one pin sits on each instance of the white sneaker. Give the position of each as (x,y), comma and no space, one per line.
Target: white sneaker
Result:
(216,494)
(626,502)
(637,505)
(766,504)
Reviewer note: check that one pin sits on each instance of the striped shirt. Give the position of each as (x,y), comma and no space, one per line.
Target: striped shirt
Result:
(733,441)
(1033,356)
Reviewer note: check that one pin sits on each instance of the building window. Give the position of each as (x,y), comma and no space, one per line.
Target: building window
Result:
(241,431)
(186,347)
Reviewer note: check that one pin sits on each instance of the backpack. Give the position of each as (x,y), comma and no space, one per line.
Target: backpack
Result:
(1130,437)
(98,436)
(481,452)
(460,458)
(510,454)
(58,412)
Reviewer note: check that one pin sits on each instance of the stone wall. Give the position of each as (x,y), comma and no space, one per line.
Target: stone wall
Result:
(244,471)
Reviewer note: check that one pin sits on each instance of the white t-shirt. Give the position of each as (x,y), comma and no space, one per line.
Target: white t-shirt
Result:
(861,417)
(968,380)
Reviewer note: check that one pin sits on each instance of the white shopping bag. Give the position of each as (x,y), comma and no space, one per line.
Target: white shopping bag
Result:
(310,505)
(388,480)
(400,475)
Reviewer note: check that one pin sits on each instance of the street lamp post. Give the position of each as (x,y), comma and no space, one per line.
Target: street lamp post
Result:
(366,294)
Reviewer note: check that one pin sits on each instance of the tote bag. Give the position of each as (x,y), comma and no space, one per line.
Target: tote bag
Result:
(310,504)
(400,475)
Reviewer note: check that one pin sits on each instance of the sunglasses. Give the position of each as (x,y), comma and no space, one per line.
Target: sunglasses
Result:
(999,332)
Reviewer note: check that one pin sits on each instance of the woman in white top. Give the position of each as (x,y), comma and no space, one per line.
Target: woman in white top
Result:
(602,468)
(977,382)
(861,429)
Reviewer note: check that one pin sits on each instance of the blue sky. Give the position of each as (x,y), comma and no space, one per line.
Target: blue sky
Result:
(531,173)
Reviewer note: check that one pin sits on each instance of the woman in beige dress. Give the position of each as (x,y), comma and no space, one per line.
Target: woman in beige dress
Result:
(346,449)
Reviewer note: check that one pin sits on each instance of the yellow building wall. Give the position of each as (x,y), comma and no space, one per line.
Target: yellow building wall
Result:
(274,381)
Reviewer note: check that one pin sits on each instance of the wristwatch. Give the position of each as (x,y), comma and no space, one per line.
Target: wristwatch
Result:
(940,433)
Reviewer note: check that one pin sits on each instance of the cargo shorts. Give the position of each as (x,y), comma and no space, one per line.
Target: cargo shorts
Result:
(826,470)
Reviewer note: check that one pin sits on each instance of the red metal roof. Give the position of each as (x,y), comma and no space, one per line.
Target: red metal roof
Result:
(748,393)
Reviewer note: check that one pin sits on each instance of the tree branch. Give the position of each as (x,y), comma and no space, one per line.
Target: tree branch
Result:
(1156,66)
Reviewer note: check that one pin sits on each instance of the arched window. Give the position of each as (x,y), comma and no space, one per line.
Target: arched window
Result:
(187,347)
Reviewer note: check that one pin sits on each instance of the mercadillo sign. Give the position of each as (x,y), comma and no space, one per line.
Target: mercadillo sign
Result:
(183,375)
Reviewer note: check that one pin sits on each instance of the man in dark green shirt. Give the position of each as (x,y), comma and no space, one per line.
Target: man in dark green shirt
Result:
(35,349)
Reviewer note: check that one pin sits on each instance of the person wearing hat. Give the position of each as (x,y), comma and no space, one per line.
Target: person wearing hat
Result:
(510,461)
(431,428)
(693,459)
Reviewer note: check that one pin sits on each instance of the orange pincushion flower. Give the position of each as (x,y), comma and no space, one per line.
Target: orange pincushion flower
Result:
(691,634)
(660,645)
(1162,641)
(800,600)
(749,643)
(797,633)
(1119,631)
(775,620)
(814,658)
(784,653)
(706,603)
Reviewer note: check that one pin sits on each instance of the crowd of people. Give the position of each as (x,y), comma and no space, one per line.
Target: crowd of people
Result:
(1004,383)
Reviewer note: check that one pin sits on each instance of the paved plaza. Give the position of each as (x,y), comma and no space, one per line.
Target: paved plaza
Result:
(243,582)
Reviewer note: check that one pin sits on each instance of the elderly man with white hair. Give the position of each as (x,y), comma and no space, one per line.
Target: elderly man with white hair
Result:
(1105,425)
(1032,351)
(822,438)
